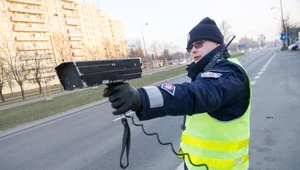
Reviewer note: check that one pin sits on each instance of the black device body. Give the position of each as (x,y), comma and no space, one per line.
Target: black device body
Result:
(81,74)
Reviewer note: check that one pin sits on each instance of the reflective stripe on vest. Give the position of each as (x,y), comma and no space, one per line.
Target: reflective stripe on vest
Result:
(218,163)
(218,144)
(214,145)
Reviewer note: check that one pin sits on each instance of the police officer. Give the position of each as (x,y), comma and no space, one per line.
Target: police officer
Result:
(215,104)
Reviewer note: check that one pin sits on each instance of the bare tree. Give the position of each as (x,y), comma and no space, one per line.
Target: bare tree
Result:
(135,50)
(2,78)
(9,80)
(166,55)
(108,48)
(261,39)
(62,46)
(225,28)
(118,51)
(93,52)
(35,67)
(123,48)
(291,28)
(155,48)
(170,47)
(15,63)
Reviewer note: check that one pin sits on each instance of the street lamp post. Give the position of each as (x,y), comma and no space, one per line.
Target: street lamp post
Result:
(284,47)
(145,49)
(52,45)
(54,56)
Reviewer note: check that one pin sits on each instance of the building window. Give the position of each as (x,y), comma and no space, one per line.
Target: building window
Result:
(8,34)
(22,25)
(1,4)
(10,44)
(5,24)
(3,14)
(37,34)
(19,5)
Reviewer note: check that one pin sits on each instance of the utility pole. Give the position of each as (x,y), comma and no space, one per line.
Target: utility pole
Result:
(50,34)
(284,47)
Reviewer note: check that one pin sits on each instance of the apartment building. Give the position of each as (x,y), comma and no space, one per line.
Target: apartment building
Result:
(102,36)
(53,31)
(118,37)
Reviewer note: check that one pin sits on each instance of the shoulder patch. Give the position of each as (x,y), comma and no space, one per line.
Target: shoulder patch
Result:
(209,74)
(168,88)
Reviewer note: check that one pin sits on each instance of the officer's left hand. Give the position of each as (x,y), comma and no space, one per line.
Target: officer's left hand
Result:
(123,97)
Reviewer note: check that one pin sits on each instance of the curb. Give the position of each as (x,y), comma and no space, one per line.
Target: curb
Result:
(61,115)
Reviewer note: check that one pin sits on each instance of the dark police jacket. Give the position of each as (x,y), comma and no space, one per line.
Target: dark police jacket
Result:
(222,92)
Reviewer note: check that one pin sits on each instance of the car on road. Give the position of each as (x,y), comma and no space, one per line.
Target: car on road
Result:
(293,47)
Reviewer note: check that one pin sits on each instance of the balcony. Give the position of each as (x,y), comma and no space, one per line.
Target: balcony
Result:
(40,57)
(78,54)
(25,10)
(22,38)
(32,48)
(33,2)
(76,46)
(75,35)
(73,15)
(75,38)
(29,29)
(25,19)
(67,6)
(74,31)
(72,22)
(43,75)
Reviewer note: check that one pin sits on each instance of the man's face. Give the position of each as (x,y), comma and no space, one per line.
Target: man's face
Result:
(200,48)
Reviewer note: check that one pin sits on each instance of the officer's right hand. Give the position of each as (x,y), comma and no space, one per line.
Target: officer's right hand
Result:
(123,97)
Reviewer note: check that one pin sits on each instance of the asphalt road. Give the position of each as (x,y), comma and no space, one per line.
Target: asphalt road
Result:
(91,138)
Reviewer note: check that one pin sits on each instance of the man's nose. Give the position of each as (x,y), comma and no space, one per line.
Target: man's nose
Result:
(194,50)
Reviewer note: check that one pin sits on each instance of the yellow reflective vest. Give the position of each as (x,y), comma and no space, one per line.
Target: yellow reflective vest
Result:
(221,145)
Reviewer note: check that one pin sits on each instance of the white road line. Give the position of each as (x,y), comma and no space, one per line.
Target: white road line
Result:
(266,65)
(122,116)
(257,77)
(262,70)
(180,167)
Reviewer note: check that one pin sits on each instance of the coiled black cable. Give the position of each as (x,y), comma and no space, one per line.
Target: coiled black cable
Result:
(126,142)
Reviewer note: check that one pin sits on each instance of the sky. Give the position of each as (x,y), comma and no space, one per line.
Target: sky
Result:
(169,21)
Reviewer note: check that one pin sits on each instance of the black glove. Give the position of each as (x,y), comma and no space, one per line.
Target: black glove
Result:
(123,97)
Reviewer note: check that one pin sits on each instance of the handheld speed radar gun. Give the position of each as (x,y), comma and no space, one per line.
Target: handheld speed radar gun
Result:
(81,74)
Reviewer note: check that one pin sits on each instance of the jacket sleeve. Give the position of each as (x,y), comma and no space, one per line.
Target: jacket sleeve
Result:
(205,94)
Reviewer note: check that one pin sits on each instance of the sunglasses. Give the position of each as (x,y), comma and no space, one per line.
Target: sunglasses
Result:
(197,45)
